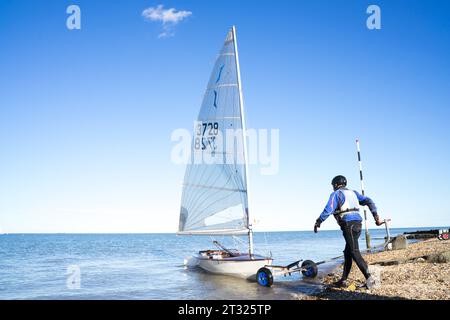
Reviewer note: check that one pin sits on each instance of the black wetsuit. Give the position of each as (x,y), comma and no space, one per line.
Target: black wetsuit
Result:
(351,231)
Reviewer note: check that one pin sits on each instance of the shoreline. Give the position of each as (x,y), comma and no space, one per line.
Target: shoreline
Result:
(421,271)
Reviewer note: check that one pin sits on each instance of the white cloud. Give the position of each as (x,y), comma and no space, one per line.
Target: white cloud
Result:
(168,17)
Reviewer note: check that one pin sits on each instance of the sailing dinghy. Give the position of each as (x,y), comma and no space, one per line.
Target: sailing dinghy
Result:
(215,194)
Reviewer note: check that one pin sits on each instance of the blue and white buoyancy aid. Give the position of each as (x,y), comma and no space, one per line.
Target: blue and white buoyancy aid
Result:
(350,205)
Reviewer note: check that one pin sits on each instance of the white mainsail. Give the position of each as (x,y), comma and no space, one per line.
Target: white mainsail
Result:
(215,199)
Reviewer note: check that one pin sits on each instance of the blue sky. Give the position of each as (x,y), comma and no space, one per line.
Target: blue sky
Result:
(86,115)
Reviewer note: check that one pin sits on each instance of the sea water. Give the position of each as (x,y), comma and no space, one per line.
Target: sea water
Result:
(150,266)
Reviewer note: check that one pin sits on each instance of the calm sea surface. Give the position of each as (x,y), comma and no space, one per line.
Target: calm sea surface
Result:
(150,266)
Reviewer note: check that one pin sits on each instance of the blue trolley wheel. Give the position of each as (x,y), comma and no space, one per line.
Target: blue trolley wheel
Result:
(264,277)
(309,269)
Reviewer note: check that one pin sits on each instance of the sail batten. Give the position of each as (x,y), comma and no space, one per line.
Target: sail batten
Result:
(212,187)
(223,232)
(214,199)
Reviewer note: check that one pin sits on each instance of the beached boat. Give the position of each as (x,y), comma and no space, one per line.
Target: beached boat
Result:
(215,188)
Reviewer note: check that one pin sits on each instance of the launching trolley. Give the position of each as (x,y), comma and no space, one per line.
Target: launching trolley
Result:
(264,276)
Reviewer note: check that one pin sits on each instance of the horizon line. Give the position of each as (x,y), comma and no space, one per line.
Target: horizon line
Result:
(175,233)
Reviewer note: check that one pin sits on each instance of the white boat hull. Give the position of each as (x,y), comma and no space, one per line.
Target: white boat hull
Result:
(241,266)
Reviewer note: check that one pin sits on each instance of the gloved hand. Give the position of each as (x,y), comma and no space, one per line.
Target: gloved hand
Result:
(317,225)
(378,222)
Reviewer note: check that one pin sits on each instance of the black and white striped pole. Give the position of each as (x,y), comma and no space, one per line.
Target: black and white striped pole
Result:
(362,191)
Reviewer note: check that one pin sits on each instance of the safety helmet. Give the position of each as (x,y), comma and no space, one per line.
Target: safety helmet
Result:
(339,181)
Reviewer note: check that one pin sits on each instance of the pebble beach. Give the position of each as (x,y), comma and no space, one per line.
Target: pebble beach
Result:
(419,272)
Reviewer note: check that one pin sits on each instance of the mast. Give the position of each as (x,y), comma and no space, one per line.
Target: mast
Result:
(244,131)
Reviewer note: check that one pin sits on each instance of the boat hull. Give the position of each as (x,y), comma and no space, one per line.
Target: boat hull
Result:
(241,266)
